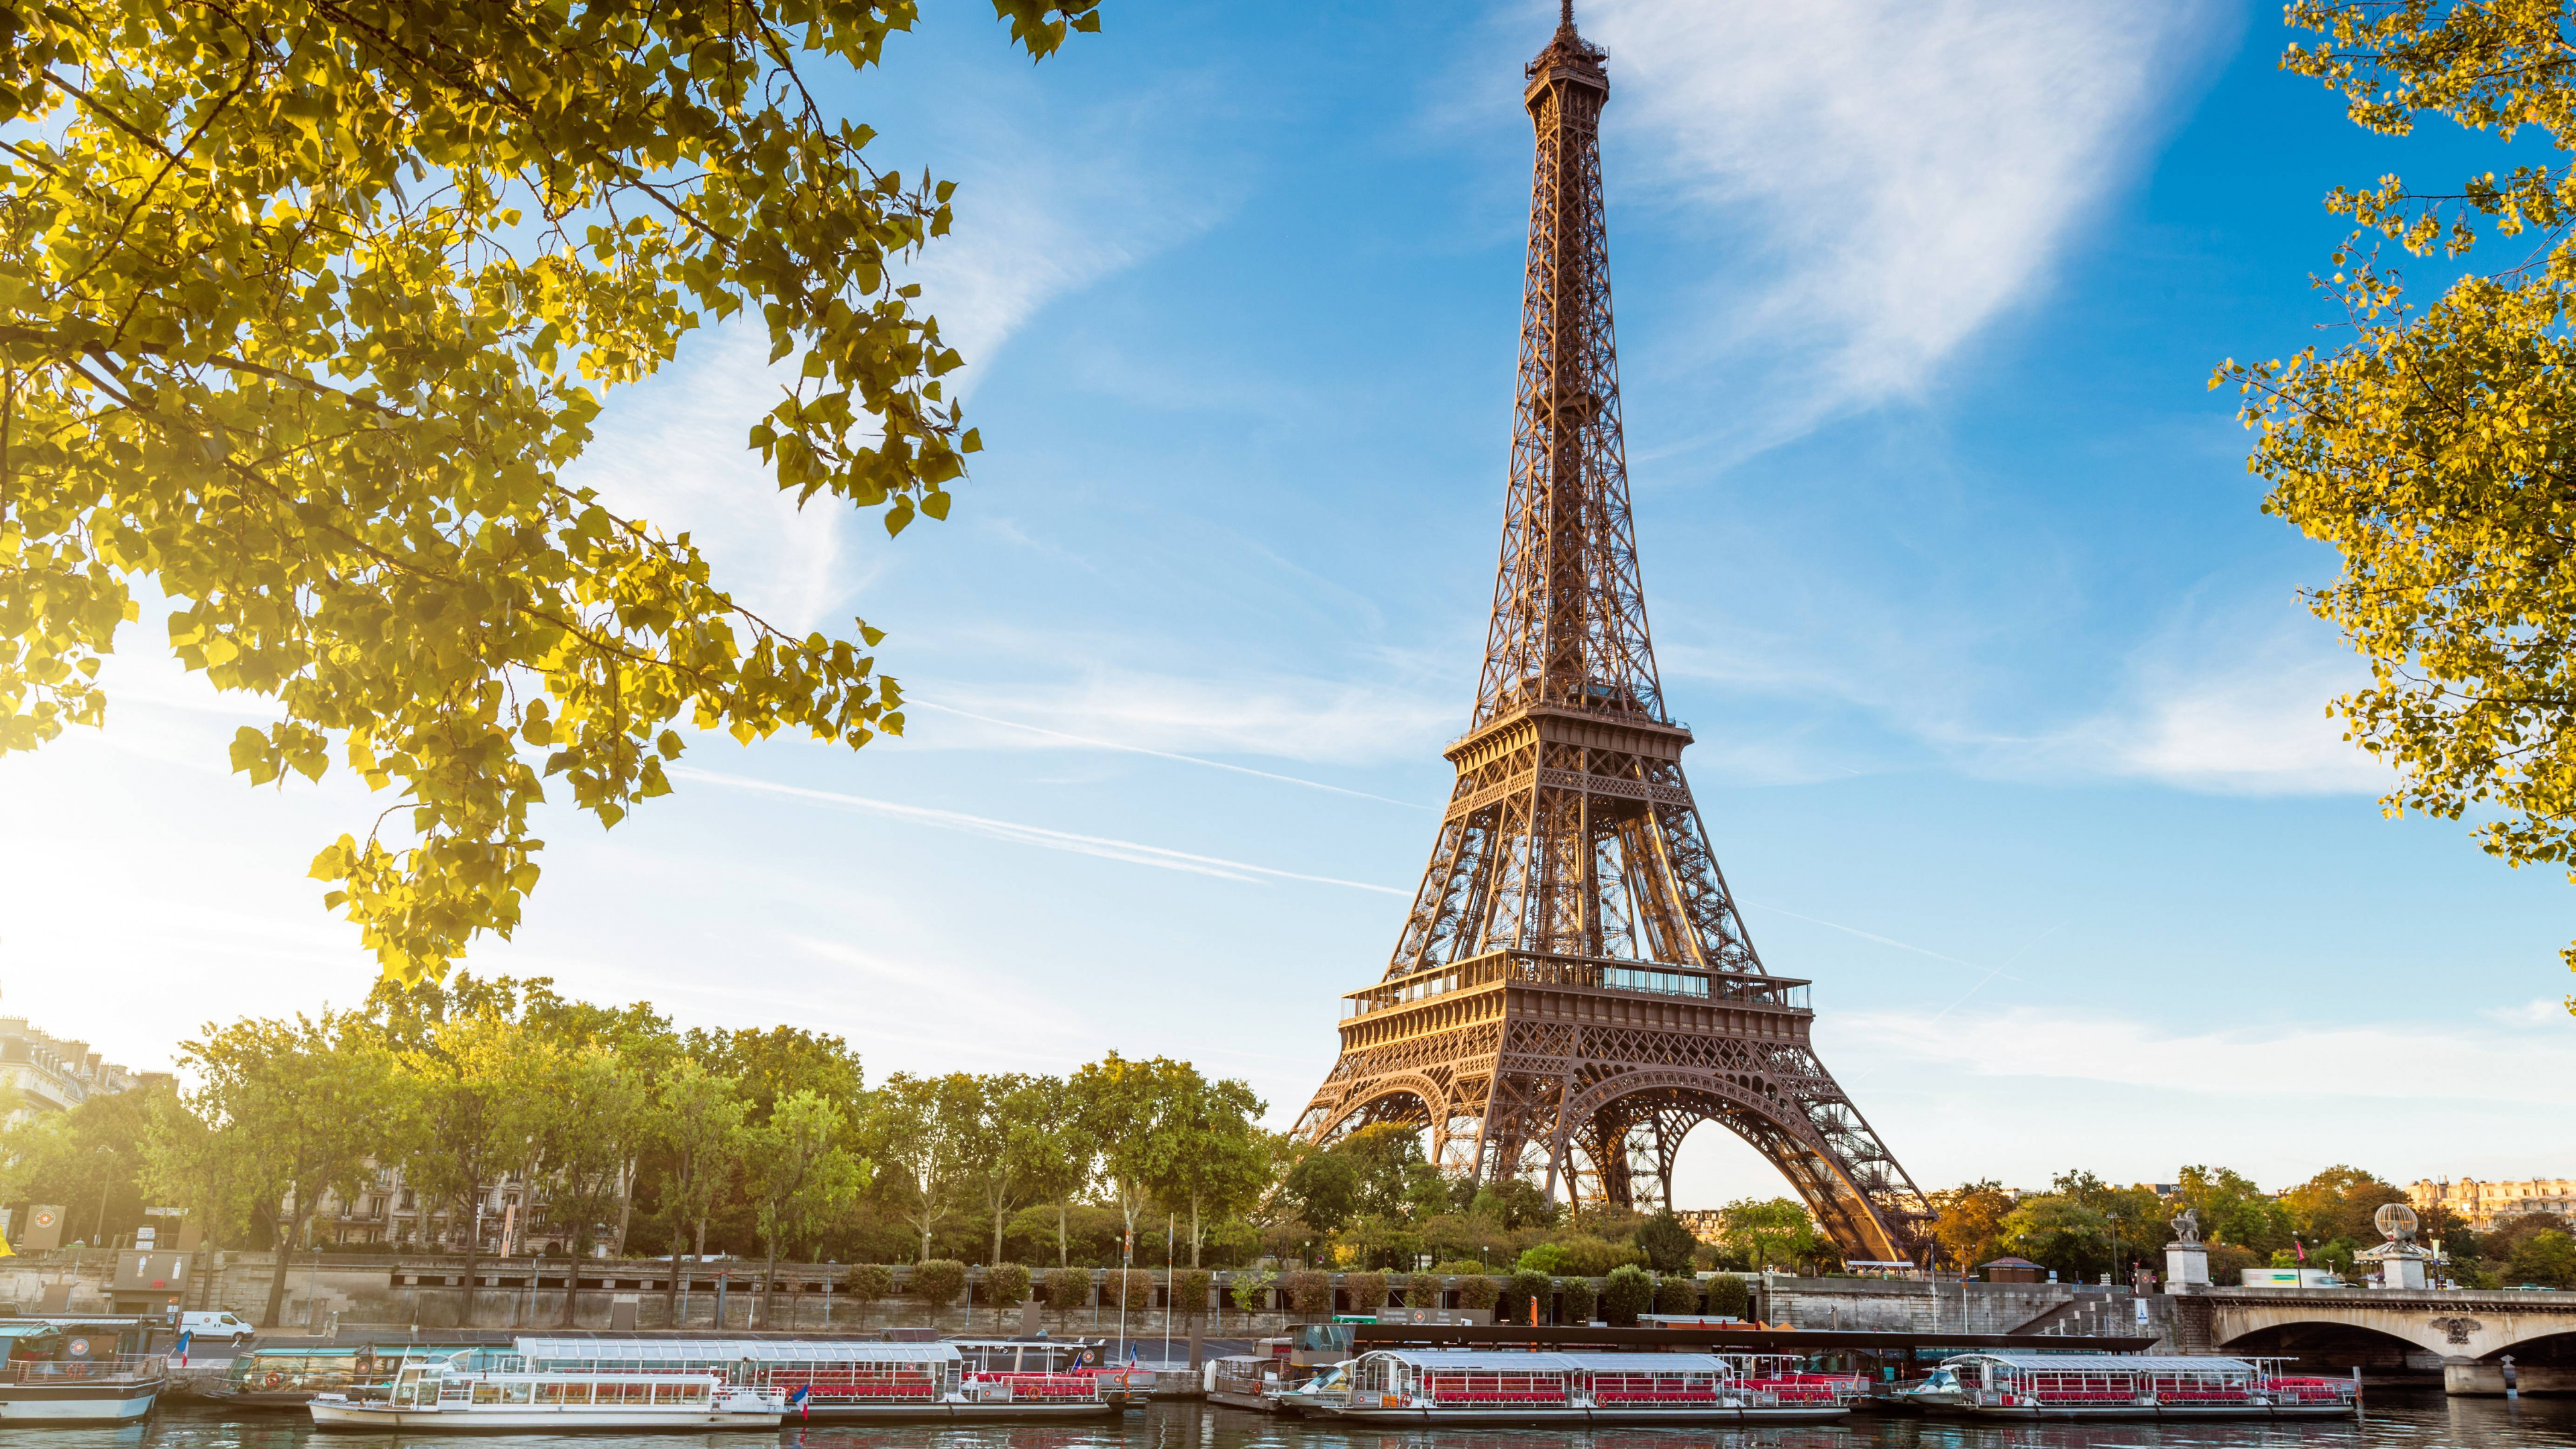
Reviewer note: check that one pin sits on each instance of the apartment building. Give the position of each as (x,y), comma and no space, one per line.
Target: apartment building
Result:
(2483,1204)
(56,1074)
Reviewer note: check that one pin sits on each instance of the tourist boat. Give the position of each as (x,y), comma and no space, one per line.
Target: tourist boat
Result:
(1450,1386)
(55,1374)
(455,1396)
(1313,1397)
(288,1377)
(2128,1386)
(841,1381)
(1241,1381)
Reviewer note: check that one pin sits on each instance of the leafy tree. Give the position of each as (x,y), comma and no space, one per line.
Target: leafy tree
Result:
(311,1099)
(1627,1292)
(1251,1289)
(2425,446)
(92,1157)
(802,1175)
(1778,1230)
(1676,1293)
(1057,1151)
(919,1131)
(1324,1188)
(310,305)
(2335,1206)
(1968,1222)
(1521,1291)
(1005,1285)
(1594,1257)
(1479,1290)
(1127,1107)
(1515,1203)
(1729,1297)
(477,1111)
(1576,1298)
(1668,1245)
(593,1111)
(2233,1210)
(211,1175)
(1004,1142)
(1546,1258)
(1308,1292)
(2547,1258)
(2058,1231)
(1210,1154)
(698,1119)
(777,1063)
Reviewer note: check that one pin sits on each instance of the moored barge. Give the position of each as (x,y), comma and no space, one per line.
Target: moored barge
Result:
(2128,1386)
(845,1381)
(1455,1386)
(59,1374)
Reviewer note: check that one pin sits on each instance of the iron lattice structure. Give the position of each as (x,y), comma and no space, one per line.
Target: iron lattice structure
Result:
(1573,990)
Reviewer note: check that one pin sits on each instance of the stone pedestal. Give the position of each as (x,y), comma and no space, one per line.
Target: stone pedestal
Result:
(2186,1268)
(2401,1273)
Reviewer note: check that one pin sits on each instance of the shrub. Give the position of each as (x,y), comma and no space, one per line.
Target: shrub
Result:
(1068,1288)
(1593,1257)
(1006,1284)
(1367,1291)
(1479,1291)
(1251,1290)
(1666,1243)
(1577,1299)
(1132,1287)
(1190,1291)
(1308,1291)
(1546,1258)
(938,1280)
(868,1282)
(1676,1293)
(2228,1262)
(1523,1289)
(1458,1268)
(1728,1297)
(1627,1292)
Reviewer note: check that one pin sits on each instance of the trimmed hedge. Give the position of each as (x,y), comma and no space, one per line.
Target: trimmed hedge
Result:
(939,1280)
(1627,1292)
(1677,1293)
(1577,1299)
(868,1282)
(1479,1291)
(1518,1294)
(1308,1292)
(1190,1292)
(1068,1288)
(1132,1286)
(1006,1284)
(1729,1297)
(1366,1291)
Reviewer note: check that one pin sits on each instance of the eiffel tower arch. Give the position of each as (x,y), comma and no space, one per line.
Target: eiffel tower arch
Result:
(1573,990)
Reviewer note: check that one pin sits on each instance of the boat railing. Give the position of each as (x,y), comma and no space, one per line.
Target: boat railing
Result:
(132,1368)
(1039,1388)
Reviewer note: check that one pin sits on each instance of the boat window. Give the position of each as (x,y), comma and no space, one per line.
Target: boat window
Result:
(519,1393)
(667,1393)
(550,1393)
(487,1393)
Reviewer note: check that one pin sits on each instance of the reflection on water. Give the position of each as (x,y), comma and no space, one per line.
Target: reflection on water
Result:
(2397,1420)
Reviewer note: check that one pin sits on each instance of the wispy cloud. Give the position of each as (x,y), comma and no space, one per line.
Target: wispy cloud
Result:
(1104,847)
(1086,742)
(1277,716)
(1907,169)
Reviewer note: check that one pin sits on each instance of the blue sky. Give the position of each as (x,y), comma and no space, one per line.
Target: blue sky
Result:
(2010,724)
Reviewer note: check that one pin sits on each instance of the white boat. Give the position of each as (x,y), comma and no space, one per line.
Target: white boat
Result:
(848,1380)
(453,1396)
(2128,1386)
(1454,1386)
(114,1390)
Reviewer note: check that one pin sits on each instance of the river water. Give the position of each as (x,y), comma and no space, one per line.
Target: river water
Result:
(2397,1419)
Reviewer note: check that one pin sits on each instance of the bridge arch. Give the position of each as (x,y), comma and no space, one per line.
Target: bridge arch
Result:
(2438,1327)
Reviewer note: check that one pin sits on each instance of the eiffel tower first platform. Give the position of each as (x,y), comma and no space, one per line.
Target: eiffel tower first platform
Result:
(1573,990)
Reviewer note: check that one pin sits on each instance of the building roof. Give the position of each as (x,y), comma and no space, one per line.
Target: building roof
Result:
(2012,1263)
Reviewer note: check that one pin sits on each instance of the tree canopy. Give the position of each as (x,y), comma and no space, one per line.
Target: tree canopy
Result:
(2427,444)
(305,307)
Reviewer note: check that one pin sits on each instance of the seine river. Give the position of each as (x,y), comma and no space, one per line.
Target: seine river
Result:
(2398,1419)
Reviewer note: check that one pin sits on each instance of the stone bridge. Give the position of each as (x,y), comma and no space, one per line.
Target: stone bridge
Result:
(2466,1334)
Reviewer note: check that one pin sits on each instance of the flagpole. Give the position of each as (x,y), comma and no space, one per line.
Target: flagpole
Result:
(1170,1223)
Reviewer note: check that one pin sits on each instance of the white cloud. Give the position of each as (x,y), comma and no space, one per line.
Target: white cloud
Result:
(1281,717)
(1910,168)
(2228,704)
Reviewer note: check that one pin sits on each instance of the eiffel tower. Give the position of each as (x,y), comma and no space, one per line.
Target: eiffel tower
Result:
(1573,990)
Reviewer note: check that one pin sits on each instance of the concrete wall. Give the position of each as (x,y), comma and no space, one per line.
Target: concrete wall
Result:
(1900,1305)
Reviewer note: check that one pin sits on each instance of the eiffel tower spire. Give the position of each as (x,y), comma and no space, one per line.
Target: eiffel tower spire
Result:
(1573,990)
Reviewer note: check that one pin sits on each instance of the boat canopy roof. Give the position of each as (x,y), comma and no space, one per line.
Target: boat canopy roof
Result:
(2078,1363)
(1487,1361)
(729,1350)
(1647,1363)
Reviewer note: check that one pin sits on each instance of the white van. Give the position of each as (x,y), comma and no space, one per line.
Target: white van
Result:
(207,1327)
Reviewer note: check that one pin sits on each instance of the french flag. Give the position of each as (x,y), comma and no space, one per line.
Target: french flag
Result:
(797,1400)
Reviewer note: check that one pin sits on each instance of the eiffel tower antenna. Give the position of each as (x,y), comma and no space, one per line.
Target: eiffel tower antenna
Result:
(1573,990)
